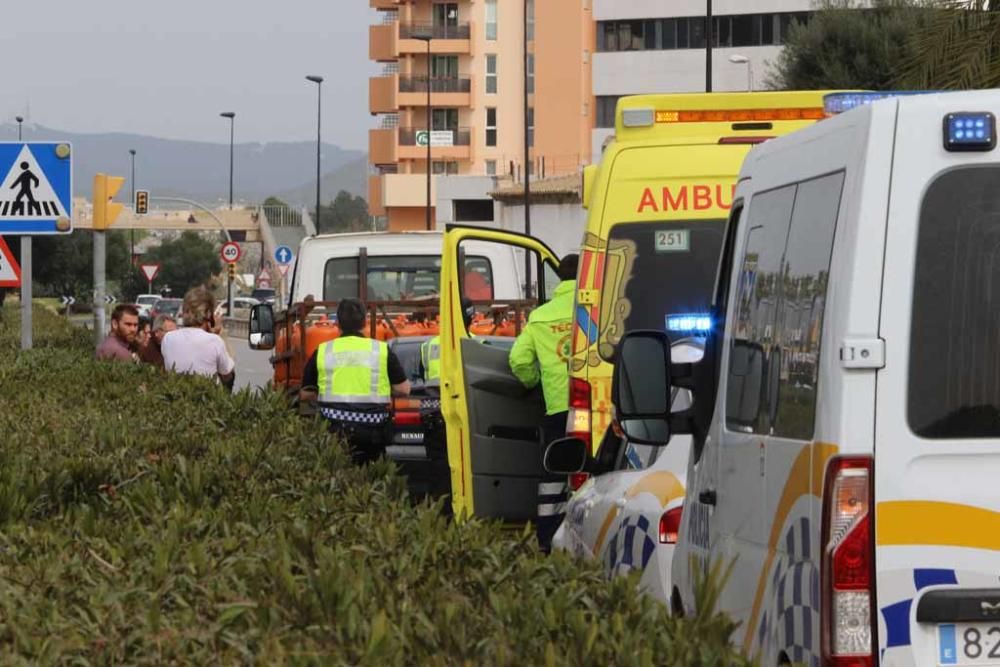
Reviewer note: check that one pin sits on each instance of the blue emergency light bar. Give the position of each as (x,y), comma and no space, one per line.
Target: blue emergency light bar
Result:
(970,131)
(836,103)
(692,324)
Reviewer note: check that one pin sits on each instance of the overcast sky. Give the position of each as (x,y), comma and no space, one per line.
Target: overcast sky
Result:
(168,67)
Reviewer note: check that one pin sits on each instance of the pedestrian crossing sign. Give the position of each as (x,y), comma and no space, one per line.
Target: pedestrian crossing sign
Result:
(36,194)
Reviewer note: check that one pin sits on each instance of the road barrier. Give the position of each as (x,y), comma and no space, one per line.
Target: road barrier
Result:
(237,327)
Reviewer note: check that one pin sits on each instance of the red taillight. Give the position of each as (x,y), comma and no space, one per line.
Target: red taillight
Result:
(848,564)
(578,422)
(670,525)
(406,418)
(579,393)
(578,479)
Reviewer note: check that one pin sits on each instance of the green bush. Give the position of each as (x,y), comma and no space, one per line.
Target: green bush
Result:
(149,518)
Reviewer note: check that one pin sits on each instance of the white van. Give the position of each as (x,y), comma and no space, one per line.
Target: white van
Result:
(847,421)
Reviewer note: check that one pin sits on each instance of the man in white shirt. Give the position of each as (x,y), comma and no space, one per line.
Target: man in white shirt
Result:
(197,347)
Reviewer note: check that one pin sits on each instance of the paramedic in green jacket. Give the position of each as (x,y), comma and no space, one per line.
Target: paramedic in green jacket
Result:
(541,353)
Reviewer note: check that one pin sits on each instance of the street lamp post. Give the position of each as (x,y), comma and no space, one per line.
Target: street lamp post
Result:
(231,115)
(19,119)
(427,37)
(738,59)
(709,43)
(318,80)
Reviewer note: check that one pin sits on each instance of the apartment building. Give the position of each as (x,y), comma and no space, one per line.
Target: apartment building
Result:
(470,55)
(658,46)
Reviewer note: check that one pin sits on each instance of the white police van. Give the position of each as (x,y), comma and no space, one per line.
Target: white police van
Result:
(846,416)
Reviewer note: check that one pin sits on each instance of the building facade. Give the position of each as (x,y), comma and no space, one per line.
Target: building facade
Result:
(470,54)
(652,46)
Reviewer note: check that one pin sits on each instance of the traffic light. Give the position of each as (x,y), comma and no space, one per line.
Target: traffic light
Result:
(141,202)
(232,270)
(106,211)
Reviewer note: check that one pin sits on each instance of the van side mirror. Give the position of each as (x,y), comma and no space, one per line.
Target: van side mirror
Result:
(641,387)
(261,331)
(566,456)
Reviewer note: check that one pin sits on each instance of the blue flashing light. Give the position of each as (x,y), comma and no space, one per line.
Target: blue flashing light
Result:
(692,323)
(836,103)
(970,131)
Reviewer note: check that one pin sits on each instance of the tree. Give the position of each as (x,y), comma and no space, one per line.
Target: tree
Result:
(63,265)
(958,46)
(346,213)
(185,262)
(845,46)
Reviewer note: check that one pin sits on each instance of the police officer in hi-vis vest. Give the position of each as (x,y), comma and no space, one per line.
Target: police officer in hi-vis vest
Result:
(541,354)
(430,351)
(353,379)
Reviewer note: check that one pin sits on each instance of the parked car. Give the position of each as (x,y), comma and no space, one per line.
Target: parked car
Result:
(170,307)
(144,303)
(264,294)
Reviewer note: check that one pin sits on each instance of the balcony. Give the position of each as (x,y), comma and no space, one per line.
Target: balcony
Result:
(386,4)
(445,92)
(382,95)
(382,146)
(454,144)
(399,190)
(382,42)
(375,206)
(445,39)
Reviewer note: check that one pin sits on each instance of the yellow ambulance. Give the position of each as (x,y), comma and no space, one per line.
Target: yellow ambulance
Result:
(658,203)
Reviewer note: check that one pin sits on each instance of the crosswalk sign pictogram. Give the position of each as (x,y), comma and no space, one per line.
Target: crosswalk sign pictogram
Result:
(10,272)
(36,194)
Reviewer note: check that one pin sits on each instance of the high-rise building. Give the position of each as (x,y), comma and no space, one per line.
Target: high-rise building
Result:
(652,46)
(470,53)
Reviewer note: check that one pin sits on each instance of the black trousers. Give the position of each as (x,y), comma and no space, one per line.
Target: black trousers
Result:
(552,489)
(367,442)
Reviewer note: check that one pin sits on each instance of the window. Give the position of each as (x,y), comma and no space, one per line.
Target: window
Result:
(531,126)
(658,283)
(391,278)
(491,126)
(446,14)
(954,333)
(737,30)
(529,6)
(774,359)
(473,210)
(444,168)
(491,74)
(444,119)
(753,324)
(531,73)
(444,67)
(491,20)
(491,167)
(340,279)
(805,274)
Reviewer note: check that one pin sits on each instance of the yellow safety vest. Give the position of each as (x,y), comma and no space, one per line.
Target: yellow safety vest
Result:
(430,356)
(353,369)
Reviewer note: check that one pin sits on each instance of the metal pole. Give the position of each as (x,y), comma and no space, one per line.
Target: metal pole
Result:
(232,135)
(131,257)
(25,292)
(708,45)
(430,119)
(100,256)
(527,163)
(19,120)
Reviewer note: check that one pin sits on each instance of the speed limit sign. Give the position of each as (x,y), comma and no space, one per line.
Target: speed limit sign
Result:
(230,252)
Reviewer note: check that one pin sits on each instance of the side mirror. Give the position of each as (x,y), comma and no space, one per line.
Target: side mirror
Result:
(641,387)
(261,332)
(566,456)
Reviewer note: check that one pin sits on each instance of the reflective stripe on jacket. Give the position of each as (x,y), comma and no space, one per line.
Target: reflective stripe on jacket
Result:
(430,357)
(353,369)
(543,348)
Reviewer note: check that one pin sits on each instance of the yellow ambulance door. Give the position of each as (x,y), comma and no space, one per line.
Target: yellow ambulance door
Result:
(493,421)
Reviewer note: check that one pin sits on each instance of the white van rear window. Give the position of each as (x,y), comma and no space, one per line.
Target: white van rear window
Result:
(395,278)
(954,381)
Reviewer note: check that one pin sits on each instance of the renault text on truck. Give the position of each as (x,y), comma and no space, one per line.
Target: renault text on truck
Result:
(657,205)
(846,415)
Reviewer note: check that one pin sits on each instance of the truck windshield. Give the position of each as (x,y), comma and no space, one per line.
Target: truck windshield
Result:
(394,278)
(660,272)
(954,381)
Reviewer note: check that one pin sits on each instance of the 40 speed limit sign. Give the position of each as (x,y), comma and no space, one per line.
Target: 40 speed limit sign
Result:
(230,252)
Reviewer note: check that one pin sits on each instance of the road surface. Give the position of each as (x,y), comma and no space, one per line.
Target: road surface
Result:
(252,366)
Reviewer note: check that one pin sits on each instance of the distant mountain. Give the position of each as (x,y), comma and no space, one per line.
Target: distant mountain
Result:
(352,177)
(200,170)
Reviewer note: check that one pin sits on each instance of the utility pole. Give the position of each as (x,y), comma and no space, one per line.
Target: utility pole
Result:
(709,40)
(527,161)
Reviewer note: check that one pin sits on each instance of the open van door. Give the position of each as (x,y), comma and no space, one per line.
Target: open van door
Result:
(493,422)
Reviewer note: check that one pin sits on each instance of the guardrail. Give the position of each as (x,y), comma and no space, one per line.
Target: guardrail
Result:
(237,327)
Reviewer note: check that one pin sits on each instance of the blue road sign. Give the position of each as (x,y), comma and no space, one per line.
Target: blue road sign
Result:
(36,193)
(283,255)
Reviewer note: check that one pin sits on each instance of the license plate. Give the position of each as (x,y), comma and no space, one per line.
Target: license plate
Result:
(969,644)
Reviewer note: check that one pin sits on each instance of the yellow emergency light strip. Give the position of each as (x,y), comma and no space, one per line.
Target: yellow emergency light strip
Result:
(740,115)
